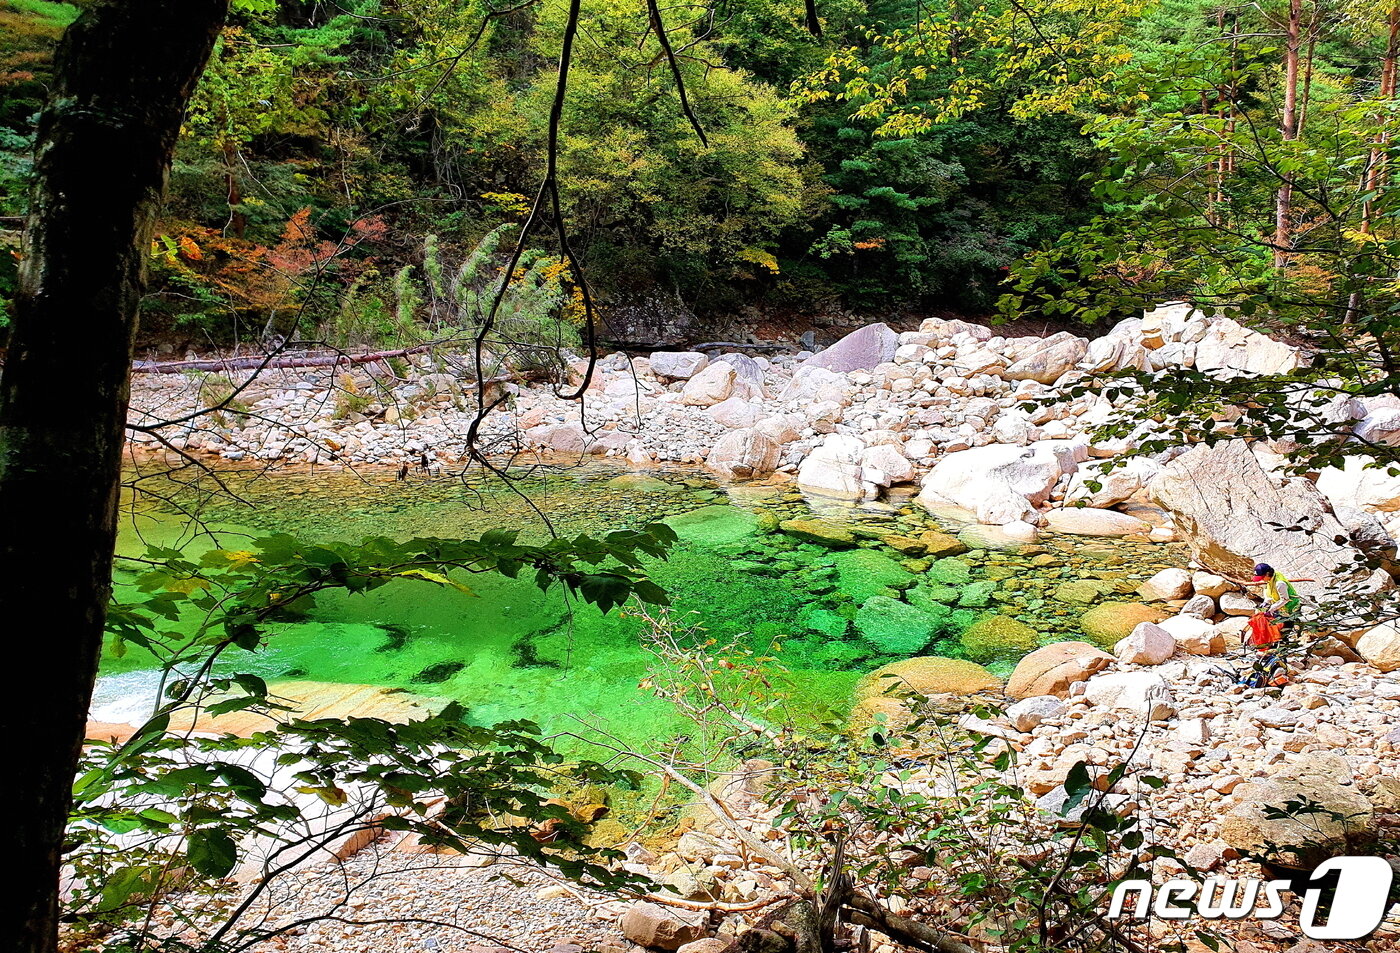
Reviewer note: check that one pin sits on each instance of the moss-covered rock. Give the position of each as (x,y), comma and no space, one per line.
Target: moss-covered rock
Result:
(999,637)
(894,627)
(820,532)
(950,571)
(930,543)
(1105,625)
(715,525)
(825,622)
(939,545)
(638,483)
(908,545)
(976,595)
(864,572)
(1083,592)
(933,596)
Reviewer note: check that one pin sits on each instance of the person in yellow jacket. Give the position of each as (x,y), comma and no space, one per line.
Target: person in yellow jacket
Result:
(1280,598)
(1281,603)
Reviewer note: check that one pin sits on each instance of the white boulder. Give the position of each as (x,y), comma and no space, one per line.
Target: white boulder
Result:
(1142,693)
(710,386)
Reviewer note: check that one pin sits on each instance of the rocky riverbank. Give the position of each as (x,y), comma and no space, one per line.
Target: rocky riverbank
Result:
(944,407)
(1236,762)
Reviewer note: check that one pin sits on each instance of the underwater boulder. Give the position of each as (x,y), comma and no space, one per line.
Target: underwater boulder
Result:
(949,571)
(864,573)
(1108,624)
(894,627)
(999,636)
(1082,592)
(716,525)
(819,531)
(825,622)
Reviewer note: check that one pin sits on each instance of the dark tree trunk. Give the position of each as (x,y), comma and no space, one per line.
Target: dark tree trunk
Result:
(123,76)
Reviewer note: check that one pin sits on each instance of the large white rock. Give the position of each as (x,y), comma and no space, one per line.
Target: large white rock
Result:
(1230,349)
(1380,427)
(678,365)
(1381,647)
(1142,693)
(884,465)
(860,350)
(1027,714)
(1233,514)
(743,454)
(735,412)
(1082,521)
(1209,584)
(1194,636)
(1000,484)
(783,428)
(1166,584)
(1115,484)
(834,469)
(710,386)
(1357,483)
(810,380)
(1049,360)
(1147,644)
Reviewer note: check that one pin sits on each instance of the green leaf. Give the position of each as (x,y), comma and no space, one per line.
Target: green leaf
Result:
(211,852)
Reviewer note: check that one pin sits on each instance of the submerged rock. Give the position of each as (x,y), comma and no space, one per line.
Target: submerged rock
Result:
(1010,537)
(819,531)
(1108,624)
(864,573)
(894,627)
(999,636)
(1082,592)
(949,571)
(715,525)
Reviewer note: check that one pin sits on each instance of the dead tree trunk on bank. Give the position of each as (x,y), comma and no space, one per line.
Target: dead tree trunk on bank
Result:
(124,73)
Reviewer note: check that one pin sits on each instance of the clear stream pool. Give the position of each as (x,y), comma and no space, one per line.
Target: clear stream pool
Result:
(514,652)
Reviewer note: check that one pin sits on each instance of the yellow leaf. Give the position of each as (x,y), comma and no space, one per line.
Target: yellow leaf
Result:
(438,578)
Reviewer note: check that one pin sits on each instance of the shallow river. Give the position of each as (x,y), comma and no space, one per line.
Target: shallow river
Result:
(513,652)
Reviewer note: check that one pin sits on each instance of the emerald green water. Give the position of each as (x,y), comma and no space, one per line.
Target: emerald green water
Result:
(514,652)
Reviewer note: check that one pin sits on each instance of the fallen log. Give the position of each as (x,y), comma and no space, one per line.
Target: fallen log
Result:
(269,362)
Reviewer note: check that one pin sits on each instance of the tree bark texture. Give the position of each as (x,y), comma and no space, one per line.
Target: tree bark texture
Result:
(1283,212)
(124,73)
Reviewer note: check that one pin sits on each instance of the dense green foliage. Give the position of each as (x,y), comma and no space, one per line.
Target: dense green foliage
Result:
(1097,156)
(327,141)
